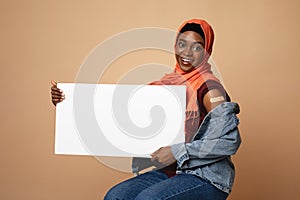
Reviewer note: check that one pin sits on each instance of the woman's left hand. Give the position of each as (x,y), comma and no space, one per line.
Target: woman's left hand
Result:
(163,156)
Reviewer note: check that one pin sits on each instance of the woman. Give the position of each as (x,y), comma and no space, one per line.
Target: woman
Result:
(201,167)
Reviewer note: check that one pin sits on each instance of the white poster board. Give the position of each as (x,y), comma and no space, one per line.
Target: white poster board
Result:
(119,120)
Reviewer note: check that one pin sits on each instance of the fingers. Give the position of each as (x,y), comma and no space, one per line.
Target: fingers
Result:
(153,158)
(56,101)
(158,164)
(154,155)
(155,152)
(57,96)
(163,156)
(54,87)
(56,93)
(53,83)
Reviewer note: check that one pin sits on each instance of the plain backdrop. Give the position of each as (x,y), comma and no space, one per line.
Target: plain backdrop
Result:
(256,50)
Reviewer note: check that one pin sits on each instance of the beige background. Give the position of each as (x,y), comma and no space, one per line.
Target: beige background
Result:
(256,50)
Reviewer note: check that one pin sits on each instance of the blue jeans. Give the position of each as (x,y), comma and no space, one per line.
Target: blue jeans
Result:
(156,185)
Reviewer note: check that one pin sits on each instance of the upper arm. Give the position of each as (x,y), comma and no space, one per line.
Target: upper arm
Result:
(212,99)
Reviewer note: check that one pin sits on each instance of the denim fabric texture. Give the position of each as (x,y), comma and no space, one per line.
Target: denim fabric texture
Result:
(156,185)
(208,155)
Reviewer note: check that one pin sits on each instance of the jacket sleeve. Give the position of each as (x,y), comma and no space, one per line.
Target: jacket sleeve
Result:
(220,138)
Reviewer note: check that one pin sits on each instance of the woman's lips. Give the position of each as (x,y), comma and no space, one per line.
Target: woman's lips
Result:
(186,61)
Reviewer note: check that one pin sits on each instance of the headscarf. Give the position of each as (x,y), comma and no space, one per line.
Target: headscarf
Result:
(195,78)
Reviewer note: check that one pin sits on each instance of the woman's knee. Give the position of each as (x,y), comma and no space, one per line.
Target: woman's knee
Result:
(110,194)
(115,193)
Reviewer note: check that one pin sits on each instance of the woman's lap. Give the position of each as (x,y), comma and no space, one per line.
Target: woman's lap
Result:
(130,188)
(156,185)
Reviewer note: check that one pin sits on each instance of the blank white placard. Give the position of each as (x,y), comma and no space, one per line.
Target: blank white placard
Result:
(119,120)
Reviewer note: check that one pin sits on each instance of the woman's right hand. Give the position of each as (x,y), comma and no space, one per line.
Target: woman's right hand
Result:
(56,93)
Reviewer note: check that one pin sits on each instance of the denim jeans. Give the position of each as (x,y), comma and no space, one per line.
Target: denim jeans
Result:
(156,185)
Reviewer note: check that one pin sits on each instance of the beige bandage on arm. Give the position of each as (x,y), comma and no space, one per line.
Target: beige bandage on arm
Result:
(216,99)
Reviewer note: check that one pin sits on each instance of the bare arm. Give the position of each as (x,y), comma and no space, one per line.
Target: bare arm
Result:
(212,99)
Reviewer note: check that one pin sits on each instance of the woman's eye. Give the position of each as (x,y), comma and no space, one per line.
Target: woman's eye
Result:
(197,47)
(181,45)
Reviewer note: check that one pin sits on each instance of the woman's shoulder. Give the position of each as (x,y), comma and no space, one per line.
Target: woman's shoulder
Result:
(212,85)
(209,91)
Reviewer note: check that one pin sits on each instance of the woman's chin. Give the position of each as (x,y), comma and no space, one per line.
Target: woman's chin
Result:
(186,68)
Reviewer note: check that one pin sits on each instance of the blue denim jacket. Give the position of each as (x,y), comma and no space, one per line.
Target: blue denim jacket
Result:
(208,155)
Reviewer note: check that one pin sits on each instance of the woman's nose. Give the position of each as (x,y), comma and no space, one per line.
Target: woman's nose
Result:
(187,51)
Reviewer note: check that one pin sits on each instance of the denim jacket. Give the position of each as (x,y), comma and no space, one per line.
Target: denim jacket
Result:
(208,155)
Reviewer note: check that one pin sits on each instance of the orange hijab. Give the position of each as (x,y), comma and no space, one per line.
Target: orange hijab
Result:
(197,77)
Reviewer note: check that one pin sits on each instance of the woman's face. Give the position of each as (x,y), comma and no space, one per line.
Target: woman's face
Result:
(189,50)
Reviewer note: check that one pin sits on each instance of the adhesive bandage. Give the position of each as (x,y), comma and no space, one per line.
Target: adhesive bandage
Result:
(216,99)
